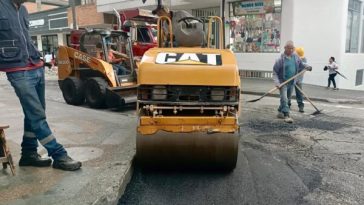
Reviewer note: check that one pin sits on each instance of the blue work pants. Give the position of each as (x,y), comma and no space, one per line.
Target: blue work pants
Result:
(29,86)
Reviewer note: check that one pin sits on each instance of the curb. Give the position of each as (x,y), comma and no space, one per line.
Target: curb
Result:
(113,195)
(327,100)
(54,82)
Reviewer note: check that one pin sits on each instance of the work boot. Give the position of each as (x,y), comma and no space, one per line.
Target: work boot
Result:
(280,115)
(35,160)
(288,119)
(301,110)
(66,163)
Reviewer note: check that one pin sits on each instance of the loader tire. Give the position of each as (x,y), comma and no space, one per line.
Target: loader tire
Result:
(72,90)
(95,92)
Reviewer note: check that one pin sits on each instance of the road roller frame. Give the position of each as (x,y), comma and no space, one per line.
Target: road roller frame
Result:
(188,103)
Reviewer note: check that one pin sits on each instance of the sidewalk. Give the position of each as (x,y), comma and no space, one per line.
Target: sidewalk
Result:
(103,140)
(259,87)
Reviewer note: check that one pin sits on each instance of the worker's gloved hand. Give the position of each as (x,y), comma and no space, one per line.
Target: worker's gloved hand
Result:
(309,68)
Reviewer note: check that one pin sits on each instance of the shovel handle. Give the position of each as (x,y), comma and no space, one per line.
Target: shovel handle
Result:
(279,86)
(291,78)
(307,98)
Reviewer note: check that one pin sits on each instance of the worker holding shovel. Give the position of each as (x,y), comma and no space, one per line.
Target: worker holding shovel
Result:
(285,71)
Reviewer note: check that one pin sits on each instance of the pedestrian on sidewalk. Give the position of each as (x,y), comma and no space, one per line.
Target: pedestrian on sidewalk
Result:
(332,67)
(48,60)
(25,71)
(299,97)
(285,67)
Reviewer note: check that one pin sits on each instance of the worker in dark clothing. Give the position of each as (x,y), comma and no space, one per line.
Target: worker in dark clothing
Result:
(21,61)
(285,67)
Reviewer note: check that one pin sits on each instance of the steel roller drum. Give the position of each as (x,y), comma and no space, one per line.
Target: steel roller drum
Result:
(196,149)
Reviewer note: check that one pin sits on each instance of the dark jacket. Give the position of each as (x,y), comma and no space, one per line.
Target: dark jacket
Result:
(16,47)
(279,71)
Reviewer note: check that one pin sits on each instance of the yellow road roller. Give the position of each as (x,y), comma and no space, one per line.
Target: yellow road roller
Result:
(188,100)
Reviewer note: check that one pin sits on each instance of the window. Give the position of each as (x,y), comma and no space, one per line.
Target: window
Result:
(143,35)
(49,44)
(83,2)
(353,26)
(206,12)
(359,77)
(255,25)
(92,44)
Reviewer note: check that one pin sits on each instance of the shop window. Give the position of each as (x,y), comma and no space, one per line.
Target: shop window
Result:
(255,26)
(353,26)
(49,44)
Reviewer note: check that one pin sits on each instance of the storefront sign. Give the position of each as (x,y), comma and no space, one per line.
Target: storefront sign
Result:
(248,7)
(38,22)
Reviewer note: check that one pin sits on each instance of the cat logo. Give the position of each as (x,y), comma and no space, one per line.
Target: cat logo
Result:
(189,58)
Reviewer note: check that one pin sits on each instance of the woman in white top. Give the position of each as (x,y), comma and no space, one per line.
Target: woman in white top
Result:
(332,67)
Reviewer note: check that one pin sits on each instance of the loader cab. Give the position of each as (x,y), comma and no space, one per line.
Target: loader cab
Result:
(101,43)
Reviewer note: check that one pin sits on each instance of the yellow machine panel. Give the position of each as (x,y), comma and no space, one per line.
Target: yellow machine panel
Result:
(69,60)
(188,66)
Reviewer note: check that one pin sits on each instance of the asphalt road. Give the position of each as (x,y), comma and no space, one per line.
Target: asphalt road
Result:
(315,160)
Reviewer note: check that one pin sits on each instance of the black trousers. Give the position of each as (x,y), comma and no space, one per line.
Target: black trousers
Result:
(332,78)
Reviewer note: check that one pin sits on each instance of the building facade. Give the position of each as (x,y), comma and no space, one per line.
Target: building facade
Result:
(50,27)
(324,28)
(257,30)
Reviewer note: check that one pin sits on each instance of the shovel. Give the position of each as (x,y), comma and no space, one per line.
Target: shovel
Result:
(282,84)
(341,74)
(317,112)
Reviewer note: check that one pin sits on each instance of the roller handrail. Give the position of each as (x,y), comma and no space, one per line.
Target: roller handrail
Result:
(211,19)
(161,32)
